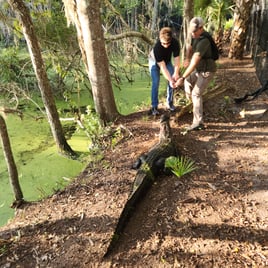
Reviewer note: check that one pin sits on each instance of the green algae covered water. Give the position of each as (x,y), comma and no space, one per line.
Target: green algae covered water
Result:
(41,169)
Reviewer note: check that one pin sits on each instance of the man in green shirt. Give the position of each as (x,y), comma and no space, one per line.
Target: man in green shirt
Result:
(200,69)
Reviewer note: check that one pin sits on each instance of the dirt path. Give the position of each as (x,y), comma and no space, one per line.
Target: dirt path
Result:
(214,217)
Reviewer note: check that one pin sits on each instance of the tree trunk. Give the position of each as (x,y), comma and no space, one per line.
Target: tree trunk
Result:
(85,14)
(239,33)
(41,75)
(188,14)
(12,169)
(154,18)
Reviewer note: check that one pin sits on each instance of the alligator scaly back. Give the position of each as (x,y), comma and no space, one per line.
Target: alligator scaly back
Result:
(151,165)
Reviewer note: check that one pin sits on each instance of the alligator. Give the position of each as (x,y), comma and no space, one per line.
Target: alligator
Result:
(148,166)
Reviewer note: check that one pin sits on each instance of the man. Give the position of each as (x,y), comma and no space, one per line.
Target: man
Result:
(200,69)
(160,60)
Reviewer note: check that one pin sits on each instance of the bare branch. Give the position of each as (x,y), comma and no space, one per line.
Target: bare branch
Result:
(130,34)
(5,110)
(113,9)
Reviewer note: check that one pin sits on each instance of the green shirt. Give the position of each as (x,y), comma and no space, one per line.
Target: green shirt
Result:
(202,46)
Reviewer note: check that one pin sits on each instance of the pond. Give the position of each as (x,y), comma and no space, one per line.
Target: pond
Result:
(41,169)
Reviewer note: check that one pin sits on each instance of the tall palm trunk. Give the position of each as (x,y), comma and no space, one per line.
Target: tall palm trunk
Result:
(239,33)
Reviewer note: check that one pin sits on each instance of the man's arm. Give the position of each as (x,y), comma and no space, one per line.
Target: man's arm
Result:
(176,68)
(193,63)
(189,54)
(164,70)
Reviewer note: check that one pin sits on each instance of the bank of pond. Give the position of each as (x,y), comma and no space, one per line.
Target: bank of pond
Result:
(42,171)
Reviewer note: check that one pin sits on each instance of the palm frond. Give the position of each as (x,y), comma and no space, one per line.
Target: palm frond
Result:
(180,166)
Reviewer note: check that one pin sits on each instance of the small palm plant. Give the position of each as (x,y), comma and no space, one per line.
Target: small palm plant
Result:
(180,165)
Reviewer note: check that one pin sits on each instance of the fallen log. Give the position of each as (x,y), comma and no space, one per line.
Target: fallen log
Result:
(149,166)
(210,94)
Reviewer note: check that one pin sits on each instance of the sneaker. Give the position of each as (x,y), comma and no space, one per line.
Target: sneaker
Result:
(195,127)
(155,111)
(171,107)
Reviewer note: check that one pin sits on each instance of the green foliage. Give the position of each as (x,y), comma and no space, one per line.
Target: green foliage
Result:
(215,13)
(201,5)
(93,128)
(16,68)
(10,63)
(129,5)
(53,32)
(180,165)
(229,24)
(59,45)
(100,137)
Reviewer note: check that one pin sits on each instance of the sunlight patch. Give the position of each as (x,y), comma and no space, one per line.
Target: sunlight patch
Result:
(245,113)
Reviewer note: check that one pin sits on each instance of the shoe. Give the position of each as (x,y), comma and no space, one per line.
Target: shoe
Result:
(171,107)
(195,127)
(155,111)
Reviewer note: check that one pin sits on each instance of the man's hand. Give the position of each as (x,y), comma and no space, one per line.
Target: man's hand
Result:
(186,63)
(179,82)
(172,83)
(175,77)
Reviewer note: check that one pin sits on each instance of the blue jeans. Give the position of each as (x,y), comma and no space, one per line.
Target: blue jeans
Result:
(155,75)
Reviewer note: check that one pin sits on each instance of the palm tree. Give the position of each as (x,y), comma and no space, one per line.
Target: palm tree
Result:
(241,24)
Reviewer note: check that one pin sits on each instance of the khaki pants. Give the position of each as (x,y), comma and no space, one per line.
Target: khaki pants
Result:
(194,86)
